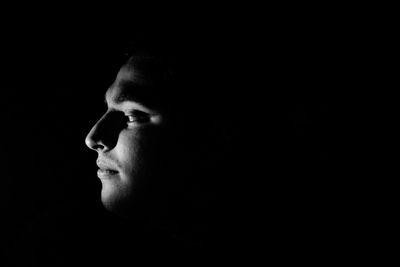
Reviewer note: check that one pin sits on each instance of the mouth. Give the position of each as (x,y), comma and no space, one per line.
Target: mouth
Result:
(105,171)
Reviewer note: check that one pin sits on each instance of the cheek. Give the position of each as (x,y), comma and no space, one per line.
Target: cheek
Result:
(135,148)
(140,149)
(128,150)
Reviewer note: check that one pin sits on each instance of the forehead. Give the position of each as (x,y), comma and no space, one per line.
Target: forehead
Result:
(123,82)
(131,85)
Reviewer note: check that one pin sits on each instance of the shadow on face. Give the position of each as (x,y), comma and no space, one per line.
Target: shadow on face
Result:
(160,142)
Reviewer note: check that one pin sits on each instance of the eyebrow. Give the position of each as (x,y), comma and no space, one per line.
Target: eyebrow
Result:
(133,92)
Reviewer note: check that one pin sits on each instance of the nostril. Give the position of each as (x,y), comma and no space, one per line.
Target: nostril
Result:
(90,143)
(93,140)
(98,147)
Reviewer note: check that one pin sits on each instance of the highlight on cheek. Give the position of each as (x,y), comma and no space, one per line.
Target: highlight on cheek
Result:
(156,119)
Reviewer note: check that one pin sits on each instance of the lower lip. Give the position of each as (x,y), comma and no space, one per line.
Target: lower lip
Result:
(106,174)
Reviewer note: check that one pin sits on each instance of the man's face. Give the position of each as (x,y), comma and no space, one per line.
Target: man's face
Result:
(133,142)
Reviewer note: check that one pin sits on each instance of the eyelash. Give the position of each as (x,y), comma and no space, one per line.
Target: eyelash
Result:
(137,117)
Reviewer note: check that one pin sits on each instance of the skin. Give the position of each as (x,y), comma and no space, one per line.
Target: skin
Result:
(166,143)
(139,142)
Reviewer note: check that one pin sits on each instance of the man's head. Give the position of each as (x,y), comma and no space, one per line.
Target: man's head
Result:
(165,131)
(133,138)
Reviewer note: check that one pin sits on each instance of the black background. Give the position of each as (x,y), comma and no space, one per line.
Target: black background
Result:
(53,81)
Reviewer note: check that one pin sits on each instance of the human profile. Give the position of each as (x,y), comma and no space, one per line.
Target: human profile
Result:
(162,143)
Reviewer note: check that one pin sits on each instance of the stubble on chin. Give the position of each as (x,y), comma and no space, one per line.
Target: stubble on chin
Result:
(115,195)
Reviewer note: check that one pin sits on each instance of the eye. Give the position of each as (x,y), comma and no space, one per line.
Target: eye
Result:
(137,116)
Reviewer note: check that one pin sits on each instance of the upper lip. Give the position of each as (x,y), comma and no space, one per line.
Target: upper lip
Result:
(104,165)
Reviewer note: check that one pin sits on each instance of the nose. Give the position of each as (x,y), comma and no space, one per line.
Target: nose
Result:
(92,142)
(99,138)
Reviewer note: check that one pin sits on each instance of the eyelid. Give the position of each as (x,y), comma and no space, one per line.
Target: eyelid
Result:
(137,115)
(136,112)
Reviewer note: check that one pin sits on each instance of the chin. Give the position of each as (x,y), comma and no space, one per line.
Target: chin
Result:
(130,204)
(117,200)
